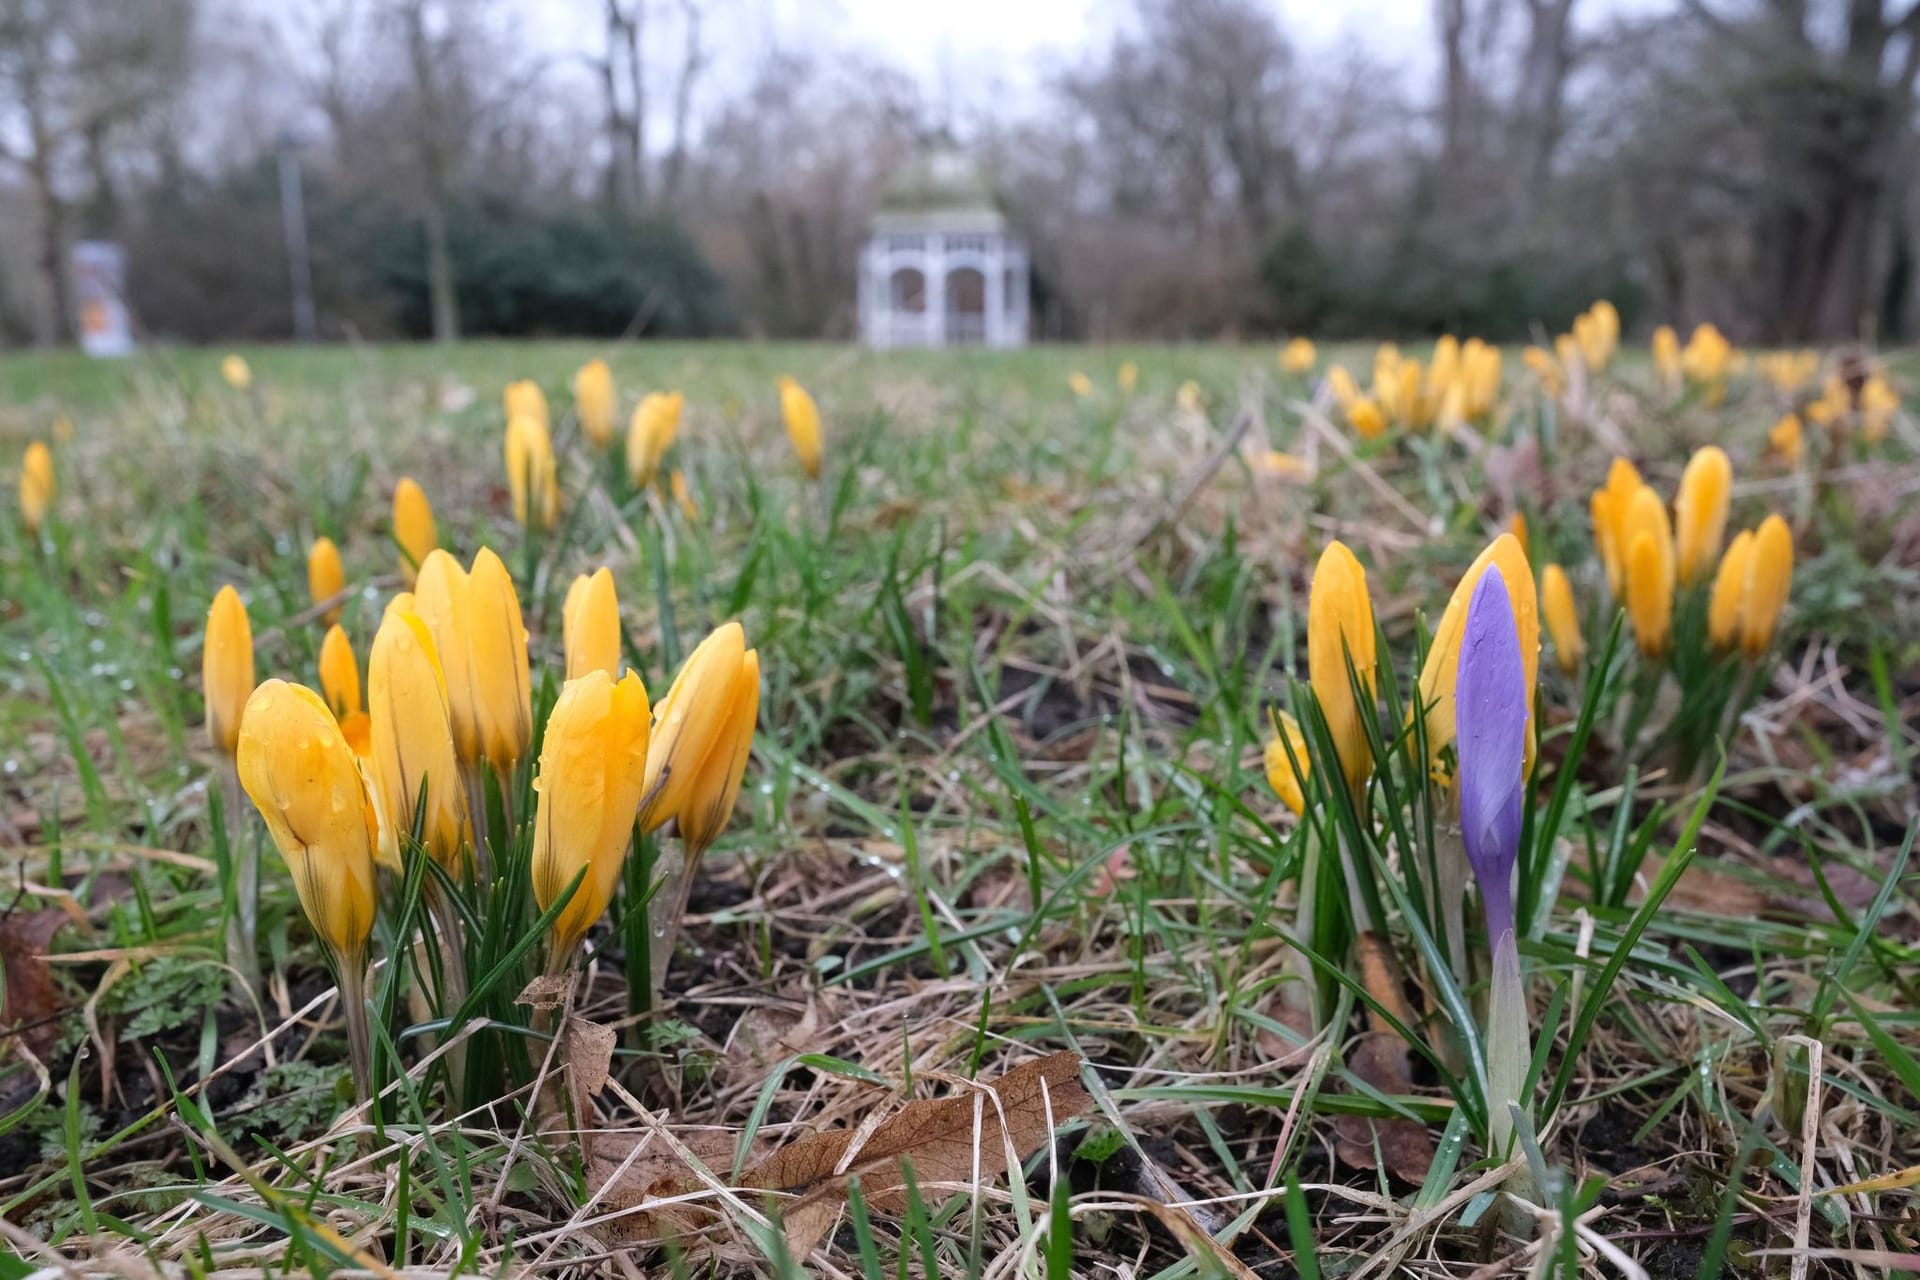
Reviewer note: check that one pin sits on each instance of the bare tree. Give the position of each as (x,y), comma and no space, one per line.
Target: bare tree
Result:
(623,88)
(72,74)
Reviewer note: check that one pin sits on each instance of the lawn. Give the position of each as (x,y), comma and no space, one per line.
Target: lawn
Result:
(1022,646)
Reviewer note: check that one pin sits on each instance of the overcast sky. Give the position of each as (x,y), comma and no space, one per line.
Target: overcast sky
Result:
(976,52)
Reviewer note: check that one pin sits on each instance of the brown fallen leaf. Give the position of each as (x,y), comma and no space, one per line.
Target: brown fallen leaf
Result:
(1405,1146)
(947,1140)
(1282,1051)
(626,1171)
(32,1003)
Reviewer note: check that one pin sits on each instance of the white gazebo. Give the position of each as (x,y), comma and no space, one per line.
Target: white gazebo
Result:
(941,268)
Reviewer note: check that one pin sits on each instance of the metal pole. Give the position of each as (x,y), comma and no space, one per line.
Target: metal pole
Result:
(293,220)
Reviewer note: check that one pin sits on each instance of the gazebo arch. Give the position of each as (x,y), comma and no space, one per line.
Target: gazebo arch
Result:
(941,266)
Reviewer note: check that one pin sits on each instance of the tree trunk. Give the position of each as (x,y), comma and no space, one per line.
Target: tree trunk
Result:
(56,318)
(445,303)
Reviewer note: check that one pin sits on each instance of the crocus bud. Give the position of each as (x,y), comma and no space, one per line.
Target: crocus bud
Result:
(1563,619)
(412,741)
(1700,511)
(655,423)
(325,576)
(1491,694)
(340,686)
(1546,368)
(1341,385)
(36,487)
(302,776)
(1297,356)
(715,782)
(1648,537)
(442,598)
(593,402)
(1078,383)
(413,528)
(691,719)
(683,496)
(1879,404)
(1128,377)
(226,669)
(592,772)
(1729,588)
(525,399)
(590,625)
(533,477)
(1494,731)
(1769,579)
(1366,418)
(235,370)
(1666,356)
(1439,673)
(1517,526)
(1340,630)
(1788,439)
(1287,773)
(339,673)
(803,422)
(1609,521)
(497,658)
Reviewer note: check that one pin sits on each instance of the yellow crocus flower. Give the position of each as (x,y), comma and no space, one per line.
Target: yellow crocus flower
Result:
(533,475)
(525,399)
(235,370)
(226,669)
(590,782)
(1788,439)
(1769,579)
(650,433)
(1700,511)
(590,625)
(802,417)
(1287,783)
(326,578)
(1729,587)
(1128,377)
(1666,357)
(1649,568)
(690,720)
(593,402)
(1340,630)
(411,743)
(1562,618)
(413,527)
(304,779)
(36,486)
(707,806)
(501,692)
(1297,356)
(339,673)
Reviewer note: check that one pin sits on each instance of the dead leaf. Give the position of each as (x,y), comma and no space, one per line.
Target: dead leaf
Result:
(626,1170)
(548,991)
(1380,974)
(32,1002)
(1282,1051)
(1405,1146)
(589,1057)
(947,1140)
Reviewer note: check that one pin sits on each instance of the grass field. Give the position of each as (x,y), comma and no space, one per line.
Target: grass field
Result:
(1019,648)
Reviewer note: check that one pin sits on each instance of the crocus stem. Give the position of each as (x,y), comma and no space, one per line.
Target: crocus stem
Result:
(453,974)
(1305,994)
(1509,1053)
(1451,871)
(474,779)
(352,973)
(242,926)
(664,912)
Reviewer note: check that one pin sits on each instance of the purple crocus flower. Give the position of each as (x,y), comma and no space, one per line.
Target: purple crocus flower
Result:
(1490,695)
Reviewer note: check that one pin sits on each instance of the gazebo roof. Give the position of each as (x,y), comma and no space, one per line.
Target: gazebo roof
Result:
(940,189)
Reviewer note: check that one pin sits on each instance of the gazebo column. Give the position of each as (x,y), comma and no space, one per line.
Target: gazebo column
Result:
(994,277)
(936,273)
